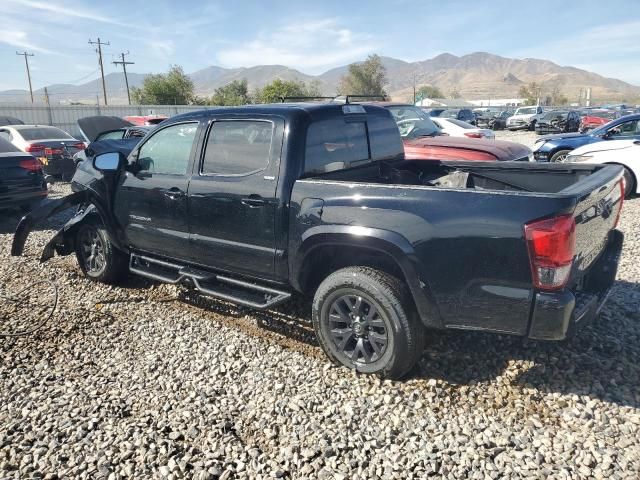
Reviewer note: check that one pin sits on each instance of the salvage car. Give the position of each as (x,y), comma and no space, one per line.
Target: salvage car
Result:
(147,120)
(615,152)
(524,118)
(423,139)
(53,147)
(458,128)
(554,148)
(22,183)
(464,114)
(254,204)
(558,121)
(596,118)
(101,127)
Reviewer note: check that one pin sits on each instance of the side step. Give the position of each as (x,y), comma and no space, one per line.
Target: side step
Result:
(226,288)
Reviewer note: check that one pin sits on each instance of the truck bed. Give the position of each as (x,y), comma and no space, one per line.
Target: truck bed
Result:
(463,223)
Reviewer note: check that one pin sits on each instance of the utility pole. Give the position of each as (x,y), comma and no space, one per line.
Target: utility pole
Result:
(26,62)
(124,68)
(414,88)
(99,50)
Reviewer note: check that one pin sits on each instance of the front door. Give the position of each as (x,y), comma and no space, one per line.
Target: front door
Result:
(629,130)
(151,204)
(232,195)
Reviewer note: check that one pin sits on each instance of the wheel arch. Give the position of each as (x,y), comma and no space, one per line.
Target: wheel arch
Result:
(325,249)
(630,170)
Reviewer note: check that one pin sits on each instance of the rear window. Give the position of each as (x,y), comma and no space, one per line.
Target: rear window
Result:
(42,133)
(6,146)
(336,144)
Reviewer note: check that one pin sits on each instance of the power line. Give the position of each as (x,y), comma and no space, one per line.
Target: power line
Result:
(26,62)
(124,68)
(99,50)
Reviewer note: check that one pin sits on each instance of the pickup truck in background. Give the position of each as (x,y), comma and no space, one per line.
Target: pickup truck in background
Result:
(255,204)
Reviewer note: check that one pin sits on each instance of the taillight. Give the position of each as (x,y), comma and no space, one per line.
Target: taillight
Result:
(31,164)
(472,134)
(79,146)
(35,148)
(621,184)
(551,243)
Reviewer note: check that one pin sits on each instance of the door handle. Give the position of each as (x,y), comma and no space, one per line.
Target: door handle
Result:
(253,201)
(173,193)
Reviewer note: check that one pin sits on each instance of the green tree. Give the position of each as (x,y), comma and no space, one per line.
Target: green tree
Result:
(366,78)
(429,91)
(174,87)
(277,89)
(234,93)
(530,92)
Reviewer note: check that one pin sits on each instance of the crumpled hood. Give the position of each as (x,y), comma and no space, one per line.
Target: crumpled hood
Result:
(91,127)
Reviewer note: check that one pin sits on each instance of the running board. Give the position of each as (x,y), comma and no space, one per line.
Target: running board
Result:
(214,285)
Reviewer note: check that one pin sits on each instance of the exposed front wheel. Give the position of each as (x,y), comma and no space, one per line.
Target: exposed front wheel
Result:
(560,156)
(98,259)
(364,319)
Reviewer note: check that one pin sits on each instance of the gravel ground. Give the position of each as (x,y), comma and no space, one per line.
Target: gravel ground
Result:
(147,381)
(521,136)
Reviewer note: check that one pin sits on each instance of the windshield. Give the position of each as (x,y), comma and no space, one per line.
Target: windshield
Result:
(43,133)
(526,111)
(413,122)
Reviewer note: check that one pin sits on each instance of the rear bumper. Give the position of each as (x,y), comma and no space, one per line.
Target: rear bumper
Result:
(557,315)
(64,166)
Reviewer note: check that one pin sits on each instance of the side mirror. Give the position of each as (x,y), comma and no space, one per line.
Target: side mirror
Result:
(108,161)
(606,135)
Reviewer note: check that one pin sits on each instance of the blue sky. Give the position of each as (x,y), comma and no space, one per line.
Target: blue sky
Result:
(602,36)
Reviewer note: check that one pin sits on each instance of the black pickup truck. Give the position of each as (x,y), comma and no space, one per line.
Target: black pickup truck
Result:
(254,204)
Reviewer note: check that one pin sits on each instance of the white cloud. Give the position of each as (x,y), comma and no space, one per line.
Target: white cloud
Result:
(67,11)
(311,46)
(17,38)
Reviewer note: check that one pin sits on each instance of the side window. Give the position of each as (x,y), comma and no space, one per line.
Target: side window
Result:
(237,147)
(626,129)
(5,134)
(168,151)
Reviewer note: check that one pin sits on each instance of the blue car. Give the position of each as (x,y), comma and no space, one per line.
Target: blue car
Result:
(554,148)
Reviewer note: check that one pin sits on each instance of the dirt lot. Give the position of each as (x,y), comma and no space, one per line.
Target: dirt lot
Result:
(149,381)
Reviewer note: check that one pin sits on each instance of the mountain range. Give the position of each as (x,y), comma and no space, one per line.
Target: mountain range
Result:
(474,76)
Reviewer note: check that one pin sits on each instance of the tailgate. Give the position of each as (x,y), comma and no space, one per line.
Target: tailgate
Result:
(596,214)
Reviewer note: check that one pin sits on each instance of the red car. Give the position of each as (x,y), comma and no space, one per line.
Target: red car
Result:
(423,140)
(146,119)
(597,118)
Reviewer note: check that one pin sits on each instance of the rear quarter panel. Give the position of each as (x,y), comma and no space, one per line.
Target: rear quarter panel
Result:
(467,247)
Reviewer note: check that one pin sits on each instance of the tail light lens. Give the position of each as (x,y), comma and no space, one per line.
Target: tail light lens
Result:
(621,184)
(34,148)
(31,164)
(552,245)
(473,135)
(79,146)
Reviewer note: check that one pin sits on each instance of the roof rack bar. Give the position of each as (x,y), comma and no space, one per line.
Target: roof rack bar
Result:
(303,98)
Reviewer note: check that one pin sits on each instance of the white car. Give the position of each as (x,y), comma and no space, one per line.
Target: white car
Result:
(458,128)
(524,118)
(621,152)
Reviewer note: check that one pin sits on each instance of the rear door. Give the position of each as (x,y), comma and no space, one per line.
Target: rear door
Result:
(232,195)
(151,204)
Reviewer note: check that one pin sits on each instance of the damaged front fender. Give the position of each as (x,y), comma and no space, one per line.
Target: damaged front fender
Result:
(44,210)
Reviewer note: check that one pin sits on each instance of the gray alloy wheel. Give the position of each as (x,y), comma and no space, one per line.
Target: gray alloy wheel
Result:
(560,156)
(358,328)
(92,251)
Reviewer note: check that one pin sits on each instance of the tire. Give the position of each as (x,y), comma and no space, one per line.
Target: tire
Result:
(532,126)
(98,259)
(559,156)
(387,342)
(629,183)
